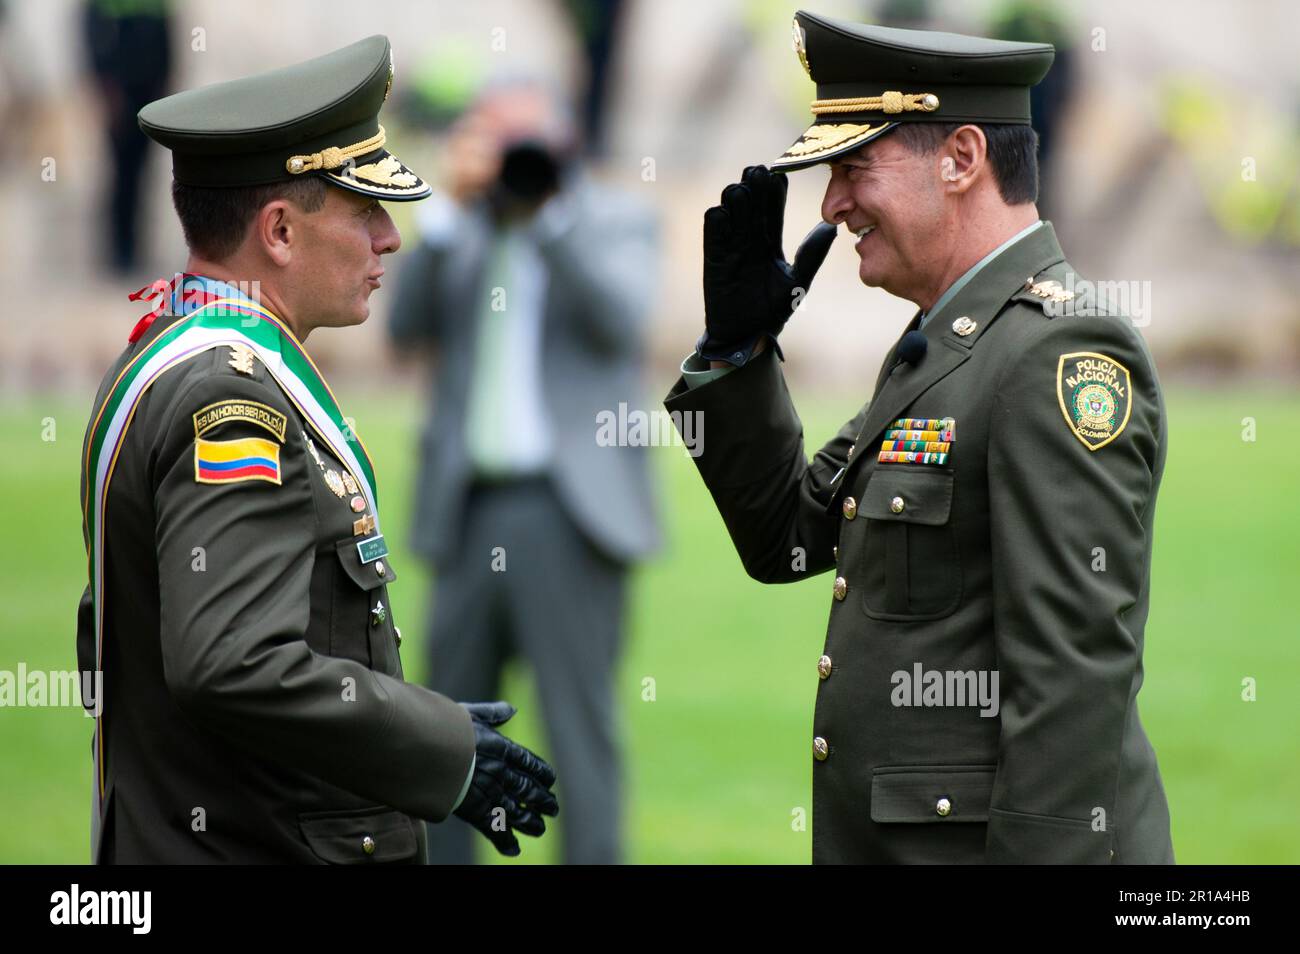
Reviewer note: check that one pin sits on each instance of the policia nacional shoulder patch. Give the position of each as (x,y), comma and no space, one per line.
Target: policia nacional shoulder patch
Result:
(1094,394)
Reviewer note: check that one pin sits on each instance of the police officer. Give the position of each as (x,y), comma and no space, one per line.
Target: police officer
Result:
(253,707)
(988,513)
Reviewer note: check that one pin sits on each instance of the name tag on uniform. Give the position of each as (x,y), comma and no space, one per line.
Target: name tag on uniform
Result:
(372,549)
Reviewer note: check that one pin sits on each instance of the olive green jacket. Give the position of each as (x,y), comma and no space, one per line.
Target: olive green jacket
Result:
(1025,553)
(254,706)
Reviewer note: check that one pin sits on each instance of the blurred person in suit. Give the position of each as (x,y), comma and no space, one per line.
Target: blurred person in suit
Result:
(129,50)
(531,284)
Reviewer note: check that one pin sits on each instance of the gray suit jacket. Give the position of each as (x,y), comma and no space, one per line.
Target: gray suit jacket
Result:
(602,279)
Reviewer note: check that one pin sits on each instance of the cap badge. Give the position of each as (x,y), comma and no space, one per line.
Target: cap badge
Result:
(800,46)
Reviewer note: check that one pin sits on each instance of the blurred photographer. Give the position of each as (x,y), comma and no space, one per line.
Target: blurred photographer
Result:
(532,285)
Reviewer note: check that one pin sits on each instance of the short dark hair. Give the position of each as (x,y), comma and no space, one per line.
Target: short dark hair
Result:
(1012,151)
(215,220)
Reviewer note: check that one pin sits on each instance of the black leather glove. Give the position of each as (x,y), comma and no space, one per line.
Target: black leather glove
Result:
(508,777)
(749,287)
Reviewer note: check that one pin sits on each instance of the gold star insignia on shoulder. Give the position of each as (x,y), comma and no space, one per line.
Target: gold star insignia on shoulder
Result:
(241,358)
(1050,290)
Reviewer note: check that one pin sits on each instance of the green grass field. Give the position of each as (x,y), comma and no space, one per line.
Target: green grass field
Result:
(720,759)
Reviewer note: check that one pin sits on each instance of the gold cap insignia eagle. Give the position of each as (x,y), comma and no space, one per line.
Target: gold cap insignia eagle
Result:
(386,172)
(823,137)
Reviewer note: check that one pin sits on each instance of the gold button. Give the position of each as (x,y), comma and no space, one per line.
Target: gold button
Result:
(835,553)
(380,568)
(850,508)
(841,587)
(930,102)
(943,807)
(368,845)
(820,749)
(824,666)
(896,505)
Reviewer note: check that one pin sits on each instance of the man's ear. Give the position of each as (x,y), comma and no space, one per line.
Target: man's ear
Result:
(275,229)
(962,158)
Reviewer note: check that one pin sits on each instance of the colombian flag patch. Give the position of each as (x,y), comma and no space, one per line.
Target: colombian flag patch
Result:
(228,462)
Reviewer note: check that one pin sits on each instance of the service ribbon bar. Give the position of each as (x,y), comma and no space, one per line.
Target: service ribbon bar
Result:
(925,424)
(904,457)
(896,435)
(934,447)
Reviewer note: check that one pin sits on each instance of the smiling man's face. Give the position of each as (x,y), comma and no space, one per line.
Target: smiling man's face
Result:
(890,198)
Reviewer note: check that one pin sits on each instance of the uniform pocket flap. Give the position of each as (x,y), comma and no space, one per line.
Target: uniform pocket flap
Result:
(364,575)
(369,836)
(909,493)
(931,793)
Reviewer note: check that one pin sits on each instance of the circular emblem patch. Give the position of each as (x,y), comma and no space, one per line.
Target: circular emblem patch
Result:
(1094,407)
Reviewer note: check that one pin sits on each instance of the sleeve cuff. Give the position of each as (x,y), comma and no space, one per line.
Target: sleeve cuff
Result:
(696,371)
(464,789)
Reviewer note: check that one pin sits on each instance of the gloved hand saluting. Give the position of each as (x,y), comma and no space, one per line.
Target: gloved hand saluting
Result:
(749,287)
(507,777)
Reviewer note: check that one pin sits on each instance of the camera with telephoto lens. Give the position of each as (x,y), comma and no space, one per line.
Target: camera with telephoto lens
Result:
(530,172)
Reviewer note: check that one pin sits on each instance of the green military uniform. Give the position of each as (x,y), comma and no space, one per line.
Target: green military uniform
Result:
(253,707)
(989,510)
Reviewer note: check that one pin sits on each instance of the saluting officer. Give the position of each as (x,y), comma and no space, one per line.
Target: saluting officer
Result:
(988,514)
(238,608)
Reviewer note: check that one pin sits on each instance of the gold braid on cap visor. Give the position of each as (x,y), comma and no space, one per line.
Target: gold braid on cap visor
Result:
(890,101)
(334,156)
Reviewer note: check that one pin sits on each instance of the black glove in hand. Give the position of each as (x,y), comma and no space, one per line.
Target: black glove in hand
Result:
(506,776)
(749,287)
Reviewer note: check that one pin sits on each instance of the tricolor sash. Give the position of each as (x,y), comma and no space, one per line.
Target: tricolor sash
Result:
(216,314)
